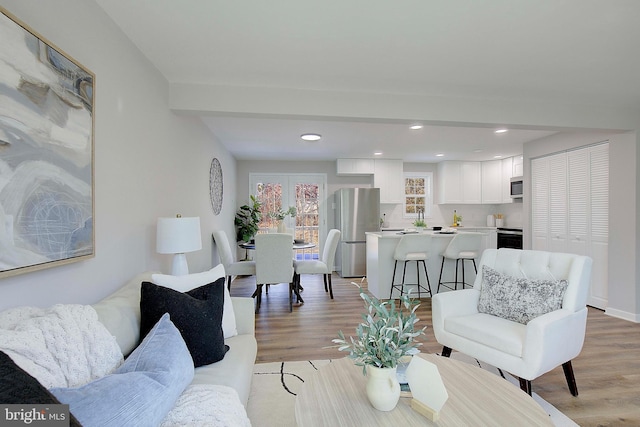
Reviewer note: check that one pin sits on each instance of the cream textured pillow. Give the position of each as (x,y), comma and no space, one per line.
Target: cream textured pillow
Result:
(190,281)
(518,299)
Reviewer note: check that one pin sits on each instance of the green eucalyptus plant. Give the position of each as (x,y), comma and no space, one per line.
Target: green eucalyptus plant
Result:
(247,220)
(385,335)
(281,214)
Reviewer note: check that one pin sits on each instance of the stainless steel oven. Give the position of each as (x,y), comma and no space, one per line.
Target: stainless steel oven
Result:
(510,238)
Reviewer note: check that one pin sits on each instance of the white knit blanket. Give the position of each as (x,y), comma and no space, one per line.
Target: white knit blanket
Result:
(205,405)
(61,346)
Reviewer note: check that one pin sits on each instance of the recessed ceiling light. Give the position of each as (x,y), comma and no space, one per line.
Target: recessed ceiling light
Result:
(416,127)
(503,130)
(497,157)
(377,153)
(477,150)
(310,136)
(439,155)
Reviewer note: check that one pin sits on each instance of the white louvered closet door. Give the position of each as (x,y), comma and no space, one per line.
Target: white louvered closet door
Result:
(558,209)
(570,209)
(540,204)
(599,251)
(579,202)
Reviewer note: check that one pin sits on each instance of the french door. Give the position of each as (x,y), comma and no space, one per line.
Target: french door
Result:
(305,192)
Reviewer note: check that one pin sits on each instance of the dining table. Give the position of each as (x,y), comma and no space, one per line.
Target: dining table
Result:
(297,245)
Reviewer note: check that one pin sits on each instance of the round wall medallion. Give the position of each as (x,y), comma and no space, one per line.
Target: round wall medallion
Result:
(215,186)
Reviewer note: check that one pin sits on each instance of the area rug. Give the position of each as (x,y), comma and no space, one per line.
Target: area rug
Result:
(275,386)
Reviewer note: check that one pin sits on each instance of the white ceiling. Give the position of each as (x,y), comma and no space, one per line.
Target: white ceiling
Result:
(572,51)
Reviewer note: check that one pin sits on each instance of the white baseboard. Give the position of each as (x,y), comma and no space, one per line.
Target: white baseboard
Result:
(625,315)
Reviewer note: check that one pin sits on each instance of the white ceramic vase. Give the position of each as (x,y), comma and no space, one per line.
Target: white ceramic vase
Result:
(282,228)
(383,388)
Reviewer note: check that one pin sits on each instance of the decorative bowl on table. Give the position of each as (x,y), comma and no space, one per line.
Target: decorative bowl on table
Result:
(298,241)
(436,228)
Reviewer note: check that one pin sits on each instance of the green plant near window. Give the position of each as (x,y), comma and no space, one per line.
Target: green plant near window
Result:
(248,219)
(385,335)
(281,214)
(419,223)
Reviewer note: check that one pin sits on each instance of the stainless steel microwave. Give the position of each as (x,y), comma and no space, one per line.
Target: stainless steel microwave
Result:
(516,187)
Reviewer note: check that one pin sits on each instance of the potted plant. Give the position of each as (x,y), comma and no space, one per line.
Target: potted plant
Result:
(385,335)
(247,219)
(419,223)
(280,215)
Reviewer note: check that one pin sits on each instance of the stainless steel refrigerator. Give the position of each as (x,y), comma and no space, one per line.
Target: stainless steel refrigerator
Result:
(357,211)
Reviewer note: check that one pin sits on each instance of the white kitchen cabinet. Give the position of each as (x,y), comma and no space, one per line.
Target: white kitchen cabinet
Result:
(388,176)
(492,181)
(507,174)
(518,166)
(459,182)
(570,209)
(354,167)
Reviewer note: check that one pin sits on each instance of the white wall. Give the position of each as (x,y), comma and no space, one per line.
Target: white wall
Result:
(624,236)
(149,162)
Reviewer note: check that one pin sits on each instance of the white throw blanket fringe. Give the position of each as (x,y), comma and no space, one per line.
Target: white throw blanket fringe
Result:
(61,346)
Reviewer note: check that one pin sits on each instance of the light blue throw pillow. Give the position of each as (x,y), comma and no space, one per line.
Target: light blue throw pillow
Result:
(143,390)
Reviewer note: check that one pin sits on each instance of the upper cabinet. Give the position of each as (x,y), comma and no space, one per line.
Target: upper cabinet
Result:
(355,167)
(507,174)
(459,182)
(492,181)
(477,182)
(518,169)
(388,176)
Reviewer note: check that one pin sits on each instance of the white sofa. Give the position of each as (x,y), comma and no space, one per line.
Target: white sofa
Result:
(120,313)
(66,349)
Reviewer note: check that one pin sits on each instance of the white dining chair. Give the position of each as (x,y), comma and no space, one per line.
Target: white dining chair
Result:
(274,263)
(231,267)
(322,266)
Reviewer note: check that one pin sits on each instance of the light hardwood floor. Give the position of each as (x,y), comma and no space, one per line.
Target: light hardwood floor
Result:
(607,371)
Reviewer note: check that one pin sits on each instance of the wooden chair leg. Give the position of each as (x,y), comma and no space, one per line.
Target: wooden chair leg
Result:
(291,285)
(571,379)
(328,279)
(326,289)
(446,351)
(525,385)
(229,283)
(258,295)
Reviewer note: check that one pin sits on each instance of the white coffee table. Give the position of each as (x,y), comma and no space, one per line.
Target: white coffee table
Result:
(335,396)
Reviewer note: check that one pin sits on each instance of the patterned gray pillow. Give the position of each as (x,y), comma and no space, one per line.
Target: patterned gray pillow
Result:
(517,299)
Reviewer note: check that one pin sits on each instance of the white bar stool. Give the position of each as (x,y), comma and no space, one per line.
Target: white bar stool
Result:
(463,247)
(411,247)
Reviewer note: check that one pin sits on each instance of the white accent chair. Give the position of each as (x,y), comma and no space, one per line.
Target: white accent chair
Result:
(274,263)
(322,266)
(526,351)
(231,267)
(465,246)
(411,247)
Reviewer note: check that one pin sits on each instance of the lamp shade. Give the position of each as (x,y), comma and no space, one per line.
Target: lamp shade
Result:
(178,235)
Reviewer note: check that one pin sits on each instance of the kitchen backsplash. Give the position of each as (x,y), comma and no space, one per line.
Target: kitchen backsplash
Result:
(442,215)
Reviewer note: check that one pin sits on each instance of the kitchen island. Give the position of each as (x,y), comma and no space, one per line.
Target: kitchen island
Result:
(381,246)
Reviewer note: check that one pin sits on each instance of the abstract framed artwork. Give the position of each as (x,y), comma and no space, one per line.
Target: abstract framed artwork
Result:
(46,153)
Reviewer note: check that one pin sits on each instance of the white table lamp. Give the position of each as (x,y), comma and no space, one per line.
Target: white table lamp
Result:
(177,236)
